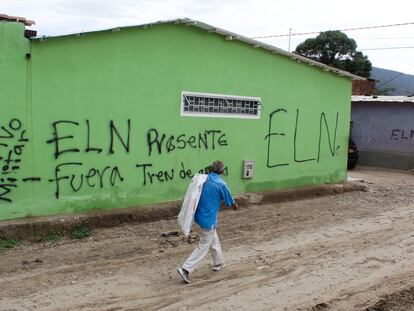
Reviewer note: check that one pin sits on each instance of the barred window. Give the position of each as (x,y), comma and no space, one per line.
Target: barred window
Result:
(216,105)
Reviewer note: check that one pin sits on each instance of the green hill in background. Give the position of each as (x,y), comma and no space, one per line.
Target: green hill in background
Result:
(394,82)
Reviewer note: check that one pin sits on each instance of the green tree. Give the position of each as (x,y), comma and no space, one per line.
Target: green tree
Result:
(336,49)
(384,91)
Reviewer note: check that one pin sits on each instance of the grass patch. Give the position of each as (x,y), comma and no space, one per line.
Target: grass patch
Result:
(81,231)
(6,244)
(53,236)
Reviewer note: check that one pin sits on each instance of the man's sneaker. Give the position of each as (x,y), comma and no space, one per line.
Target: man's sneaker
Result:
(218,267)
(184,274)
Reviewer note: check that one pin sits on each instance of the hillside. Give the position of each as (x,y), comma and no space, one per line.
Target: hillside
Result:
(399,83)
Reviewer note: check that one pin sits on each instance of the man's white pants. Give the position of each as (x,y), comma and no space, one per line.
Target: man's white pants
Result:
(209,240)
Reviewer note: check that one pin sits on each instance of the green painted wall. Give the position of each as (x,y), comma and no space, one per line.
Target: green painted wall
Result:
(15,117)
(78,97)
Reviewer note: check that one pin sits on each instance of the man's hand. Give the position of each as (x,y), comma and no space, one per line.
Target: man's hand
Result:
(235,206)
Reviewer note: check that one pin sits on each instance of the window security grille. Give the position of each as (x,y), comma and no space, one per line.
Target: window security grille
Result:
(215,105)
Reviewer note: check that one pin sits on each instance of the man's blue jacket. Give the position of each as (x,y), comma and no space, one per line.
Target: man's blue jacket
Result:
(214,191)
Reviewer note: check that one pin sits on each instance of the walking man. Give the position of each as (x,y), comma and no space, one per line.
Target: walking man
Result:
(214,192)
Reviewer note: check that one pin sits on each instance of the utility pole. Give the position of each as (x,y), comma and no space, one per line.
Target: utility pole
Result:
(290,33)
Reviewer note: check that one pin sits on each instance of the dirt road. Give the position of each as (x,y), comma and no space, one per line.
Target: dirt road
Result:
(343,252)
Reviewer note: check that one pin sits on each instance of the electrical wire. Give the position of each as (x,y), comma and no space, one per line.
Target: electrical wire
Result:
(388,81)
(382,38)
(346,29)
(389,48)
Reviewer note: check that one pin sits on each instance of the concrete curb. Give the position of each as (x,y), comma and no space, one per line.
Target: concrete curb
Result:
(34,229)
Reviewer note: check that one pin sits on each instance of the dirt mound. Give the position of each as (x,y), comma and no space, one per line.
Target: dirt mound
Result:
(319,307)
(401,301)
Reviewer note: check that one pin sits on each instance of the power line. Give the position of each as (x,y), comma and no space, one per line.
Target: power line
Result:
(346,29)
(393,78)
(381,38)
(390,48)
(388,81)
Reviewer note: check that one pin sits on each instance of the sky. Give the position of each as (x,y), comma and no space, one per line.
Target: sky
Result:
(251,18)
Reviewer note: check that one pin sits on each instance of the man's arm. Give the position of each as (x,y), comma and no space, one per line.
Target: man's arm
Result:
(228,198)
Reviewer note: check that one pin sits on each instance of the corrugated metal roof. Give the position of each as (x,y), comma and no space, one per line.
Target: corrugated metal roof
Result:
(228,35)
(383,99)
(18,19)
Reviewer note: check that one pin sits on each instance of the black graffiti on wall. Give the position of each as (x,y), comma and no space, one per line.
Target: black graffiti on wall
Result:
(65,140)
(272,136)
(75,176)
(71,138)
(333,147)
(164,143)
(13,140)
(63,134)
(402,134)
(150,174)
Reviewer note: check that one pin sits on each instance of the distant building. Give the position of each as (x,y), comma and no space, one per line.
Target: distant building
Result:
(17,19)
(363,87)
(383,129)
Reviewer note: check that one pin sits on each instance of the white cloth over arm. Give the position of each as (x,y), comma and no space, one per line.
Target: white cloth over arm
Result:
(190,203)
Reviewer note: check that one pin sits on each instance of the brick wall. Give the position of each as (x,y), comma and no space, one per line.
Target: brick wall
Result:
(363,87)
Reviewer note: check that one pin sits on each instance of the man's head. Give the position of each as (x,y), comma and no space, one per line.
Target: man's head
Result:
(217,167)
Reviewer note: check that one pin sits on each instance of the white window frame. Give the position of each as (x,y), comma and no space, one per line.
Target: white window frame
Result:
(220,115)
